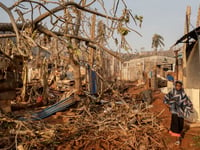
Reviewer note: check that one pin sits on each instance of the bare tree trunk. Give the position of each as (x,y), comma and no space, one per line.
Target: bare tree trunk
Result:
(73,58)
(76,66)
(24,79)
(77,76)
(154,82)
(44,81)
(186,30)
(8,11)
(91,50)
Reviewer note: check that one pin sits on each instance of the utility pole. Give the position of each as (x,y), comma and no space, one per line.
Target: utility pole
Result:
(92,33)
(176,67)
(186,30)
(92,79)
(154,80)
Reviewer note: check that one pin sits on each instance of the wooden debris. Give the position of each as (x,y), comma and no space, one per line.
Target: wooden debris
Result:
(89,126)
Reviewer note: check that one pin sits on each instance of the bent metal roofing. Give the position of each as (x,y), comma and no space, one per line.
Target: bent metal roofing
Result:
(191,35)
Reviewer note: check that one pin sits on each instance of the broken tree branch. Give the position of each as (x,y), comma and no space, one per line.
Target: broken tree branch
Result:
(44,30)
(66,4)
(6,9)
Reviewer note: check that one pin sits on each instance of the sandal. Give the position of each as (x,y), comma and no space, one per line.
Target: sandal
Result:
(178,142)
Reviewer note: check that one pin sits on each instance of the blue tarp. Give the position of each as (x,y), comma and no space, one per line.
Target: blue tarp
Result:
(57,107)
(170,78)
(94,83)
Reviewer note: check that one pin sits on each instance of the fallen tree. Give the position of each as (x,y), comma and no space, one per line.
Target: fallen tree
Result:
(105,125)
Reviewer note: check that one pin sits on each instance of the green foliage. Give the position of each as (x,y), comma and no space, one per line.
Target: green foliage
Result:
(139,19)
(101,31)
(126,47)
(69,46)
(77,52)
(34,34)
(126,16)
(123,31)
(157,41)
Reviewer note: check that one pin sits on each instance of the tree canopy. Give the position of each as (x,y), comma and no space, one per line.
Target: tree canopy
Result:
(157,41)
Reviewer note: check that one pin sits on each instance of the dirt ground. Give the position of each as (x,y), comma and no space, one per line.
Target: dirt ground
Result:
(191,140)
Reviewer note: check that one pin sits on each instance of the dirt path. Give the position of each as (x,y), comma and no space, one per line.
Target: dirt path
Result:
(191,140)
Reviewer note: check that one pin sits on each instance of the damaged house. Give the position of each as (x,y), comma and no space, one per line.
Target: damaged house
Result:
(147,64)
(192,70)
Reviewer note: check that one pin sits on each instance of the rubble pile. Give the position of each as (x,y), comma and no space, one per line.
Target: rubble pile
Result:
(109,123)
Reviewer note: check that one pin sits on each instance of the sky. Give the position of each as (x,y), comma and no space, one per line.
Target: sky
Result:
(164,17)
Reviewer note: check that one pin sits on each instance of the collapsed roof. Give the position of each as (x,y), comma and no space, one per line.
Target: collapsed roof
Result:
(190,39)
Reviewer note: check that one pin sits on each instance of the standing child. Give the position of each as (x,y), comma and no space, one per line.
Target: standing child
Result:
(180,107)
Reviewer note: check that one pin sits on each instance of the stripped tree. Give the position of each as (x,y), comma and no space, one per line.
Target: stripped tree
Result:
(68,23)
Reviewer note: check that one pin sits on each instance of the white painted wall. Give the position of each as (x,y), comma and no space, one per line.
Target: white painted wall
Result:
(192,85)
(193,69)
(194,95)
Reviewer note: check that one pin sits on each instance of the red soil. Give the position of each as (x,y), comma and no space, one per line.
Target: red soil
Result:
(188,142)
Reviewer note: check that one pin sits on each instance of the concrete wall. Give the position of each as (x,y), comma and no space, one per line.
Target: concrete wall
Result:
(193,69)
(192,86)
(112,67)
(194,95)
(133,70)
